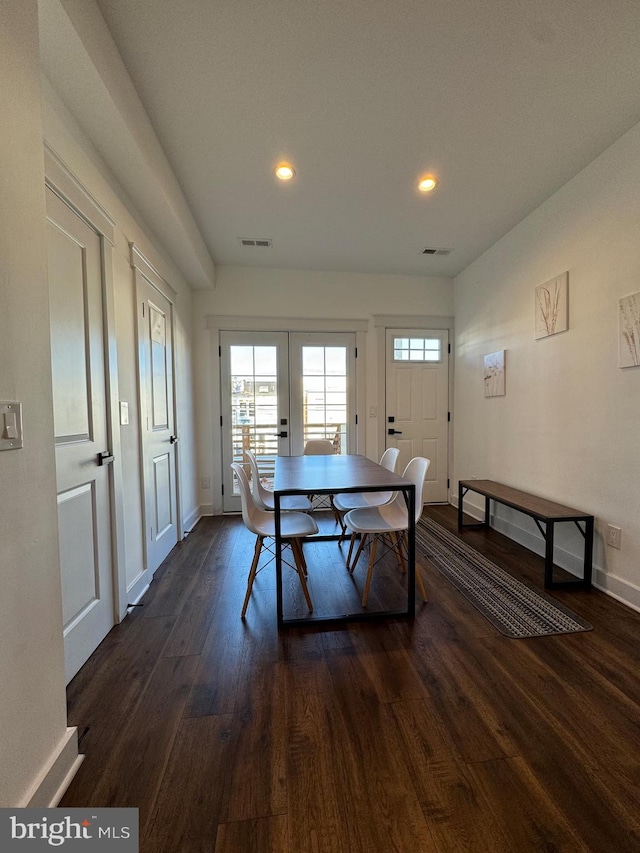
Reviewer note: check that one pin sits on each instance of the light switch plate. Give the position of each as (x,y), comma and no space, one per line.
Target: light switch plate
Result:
(10,425)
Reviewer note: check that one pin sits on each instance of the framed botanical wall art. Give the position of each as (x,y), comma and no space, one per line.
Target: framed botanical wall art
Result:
(629,330)
(494,378)
(552,306)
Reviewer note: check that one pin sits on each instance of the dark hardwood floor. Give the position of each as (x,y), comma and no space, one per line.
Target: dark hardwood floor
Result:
(433,735)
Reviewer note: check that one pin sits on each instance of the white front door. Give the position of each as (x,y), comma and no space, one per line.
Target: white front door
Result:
(155,353)
(417,403)
(279,389)
(80,427)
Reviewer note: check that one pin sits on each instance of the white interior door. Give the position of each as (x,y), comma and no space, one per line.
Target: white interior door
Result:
(155,353)
(417,402)
(80,427)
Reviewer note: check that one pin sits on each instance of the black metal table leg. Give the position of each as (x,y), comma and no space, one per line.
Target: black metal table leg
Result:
(278,547)
(411,580)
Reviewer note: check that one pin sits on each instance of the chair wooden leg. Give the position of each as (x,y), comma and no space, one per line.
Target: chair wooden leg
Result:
(352,542)
(372,558)
(363,542)
(298,558)
(398,540)
(252,573)
(419,580)
(303,561)
(337,515)
(420,583)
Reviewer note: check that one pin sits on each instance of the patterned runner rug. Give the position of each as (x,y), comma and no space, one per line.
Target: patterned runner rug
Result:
(514,608)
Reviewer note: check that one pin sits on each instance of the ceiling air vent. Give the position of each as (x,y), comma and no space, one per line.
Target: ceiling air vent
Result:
(430,251)
(255,241)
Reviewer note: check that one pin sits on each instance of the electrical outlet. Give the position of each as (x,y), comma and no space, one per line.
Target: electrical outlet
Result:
(205,483)
(614,536)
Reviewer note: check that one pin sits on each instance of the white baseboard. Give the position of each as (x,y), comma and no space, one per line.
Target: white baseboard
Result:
(55,777)
(192,519)
(206,509)
(139,593)
(623,591)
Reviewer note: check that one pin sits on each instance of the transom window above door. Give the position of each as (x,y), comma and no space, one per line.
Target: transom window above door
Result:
(417,349)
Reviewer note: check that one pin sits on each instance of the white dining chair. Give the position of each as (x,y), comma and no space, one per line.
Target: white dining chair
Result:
(388,522)
(264,498)
(319,447)
(346,501)
(294,527)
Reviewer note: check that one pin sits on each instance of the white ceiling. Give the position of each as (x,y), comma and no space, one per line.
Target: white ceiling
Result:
(505,100)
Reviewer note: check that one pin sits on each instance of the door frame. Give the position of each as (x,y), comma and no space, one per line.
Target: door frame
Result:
(61,181)
(426,322)
(217,323)
(143,270)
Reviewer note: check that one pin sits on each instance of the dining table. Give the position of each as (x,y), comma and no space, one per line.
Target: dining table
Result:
(330,475)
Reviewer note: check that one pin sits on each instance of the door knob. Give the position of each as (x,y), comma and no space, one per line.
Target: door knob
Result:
(394,432)
(173,439)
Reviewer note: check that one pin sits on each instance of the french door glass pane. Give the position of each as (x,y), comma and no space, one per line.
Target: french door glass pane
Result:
(324,390)
(254,406)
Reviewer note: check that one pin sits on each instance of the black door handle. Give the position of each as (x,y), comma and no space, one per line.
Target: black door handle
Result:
(173,439)
(394,432)
(105,458)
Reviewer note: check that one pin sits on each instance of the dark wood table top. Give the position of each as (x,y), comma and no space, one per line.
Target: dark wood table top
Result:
(332,474)
(531,504)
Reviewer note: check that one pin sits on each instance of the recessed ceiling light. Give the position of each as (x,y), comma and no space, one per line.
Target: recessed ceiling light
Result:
(285,172)
(427,183)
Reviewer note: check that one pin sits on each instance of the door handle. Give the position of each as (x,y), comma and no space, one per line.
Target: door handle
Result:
(394,432)
(283,434)
(105,458)
(173,439)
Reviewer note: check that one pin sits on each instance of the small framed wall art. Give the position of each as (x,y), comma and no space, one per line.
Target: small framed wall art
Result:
(629,331)
(552,306)
(494,377)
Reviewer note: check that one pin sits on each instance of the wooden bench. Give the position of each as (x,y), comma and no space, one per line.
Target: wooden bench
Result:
(542,512)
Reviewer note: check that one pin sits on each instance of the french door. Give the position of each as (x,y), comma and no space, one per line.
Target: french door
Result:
(280,389)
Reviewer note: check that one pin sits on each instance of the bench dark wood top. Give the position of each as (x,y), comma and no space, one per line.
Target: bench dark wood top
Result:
(523,501)
(543,512)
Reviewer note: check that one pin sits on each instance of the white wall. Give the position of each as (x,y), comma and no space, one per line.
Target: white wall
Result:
(282,294)
(33,730)
(568,427)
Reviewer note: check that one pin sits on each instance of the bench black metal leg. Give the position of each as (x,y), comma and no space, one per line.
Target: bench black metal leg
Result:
(588,552)
(548,555)
(461,526)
